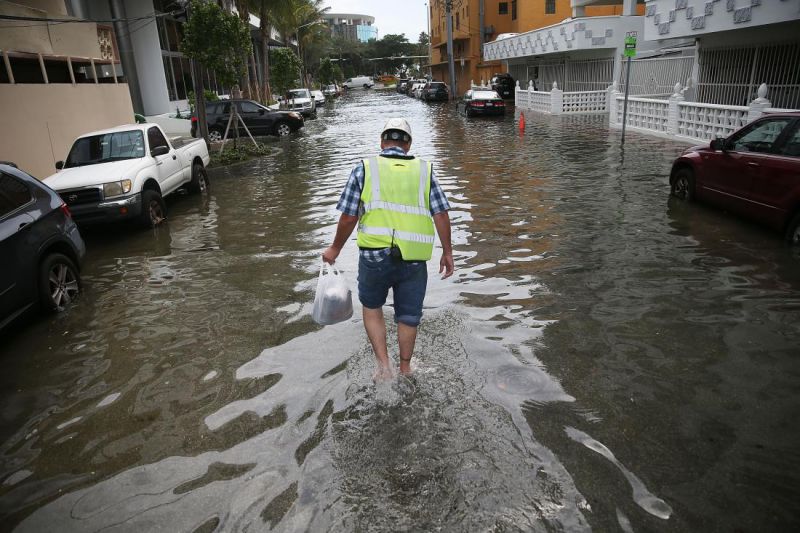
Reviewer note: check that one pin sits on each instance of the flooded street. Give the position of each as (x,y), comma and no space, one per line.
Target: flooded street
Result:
(604,358)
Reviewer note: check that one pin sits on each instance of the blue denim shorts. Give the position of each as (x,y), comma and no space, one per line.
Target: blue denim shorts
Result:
(407,279)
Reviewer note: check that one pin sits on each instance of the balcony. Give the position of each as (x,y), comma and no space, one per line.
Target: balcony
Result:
(667,19)
(586,33)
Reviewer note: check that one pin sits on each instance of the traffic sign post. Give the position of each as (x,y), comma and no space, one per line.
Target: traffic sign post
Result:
(629,52)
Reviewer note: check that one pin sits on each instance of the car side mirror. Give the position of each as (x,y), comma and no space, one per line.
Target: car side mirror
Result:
(59,165)
(260,111)
(159,150)
(719,144)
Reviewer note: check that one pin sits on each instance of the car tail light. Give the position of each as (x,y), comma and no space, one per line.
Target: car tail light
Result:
(194,119)
(65,210)
(477,104)
(500,103)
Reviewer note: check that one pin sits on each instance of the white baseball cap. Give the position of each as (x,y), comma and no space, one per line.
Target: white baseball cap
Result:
(399,125)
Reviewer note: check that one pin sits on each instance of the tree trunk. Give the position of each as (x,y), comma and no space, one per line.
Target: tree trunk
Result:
(265,37)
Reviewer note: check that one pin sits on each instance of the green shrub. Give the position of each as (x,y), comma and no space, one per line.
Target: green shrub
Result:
(240,153)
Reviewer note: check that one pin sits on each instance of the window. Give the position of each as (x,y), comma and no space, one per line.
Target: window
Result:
(550,7)
(156,138)
(792,146)
(249,107)
(514,10)
(104,148)
(458,20)
(13,194)
(760,137)
(503,8)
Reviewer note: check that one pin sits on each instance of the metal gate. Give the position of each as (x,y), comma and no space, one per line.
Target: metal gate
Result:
(657,76)
(585,75)
(731,76)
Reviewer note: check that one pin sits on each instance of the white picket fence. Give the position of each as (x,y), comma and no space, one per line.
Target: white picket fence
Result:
(672,117)
(687,121)
(558,102)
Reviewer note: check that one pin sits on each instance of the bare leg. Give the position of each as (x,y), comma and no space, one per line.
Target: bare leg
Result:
(376,331)
(406,337)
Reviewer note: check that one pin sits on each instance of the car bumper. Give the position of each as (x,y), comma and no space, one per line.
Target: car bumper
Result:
(114,210)
(490,111)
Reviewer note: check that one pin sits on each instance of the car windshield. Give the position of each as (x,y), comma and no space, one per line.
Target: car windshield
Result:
(106,148)
(485,95)
(298,93)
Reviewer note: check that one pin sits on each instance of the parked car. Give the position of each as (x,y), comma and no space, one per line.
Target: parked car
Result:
(416,88)
(359,81)
(481,101)
(259,120)
(435,91)
(402,85)
(41,247)
(300,101)
(123,173)
(319,98)
(331,90)
(504,85)
(755,173)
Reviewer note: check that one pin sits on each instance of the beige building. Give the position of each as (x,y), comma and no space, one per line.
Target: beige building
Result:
(58,80)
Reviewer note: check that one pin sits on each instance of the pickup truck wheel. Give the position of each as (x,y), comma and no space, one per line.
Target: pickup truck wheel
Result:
(199,183)
(59,283)
(214,135)
(683,185)
(793,231)
(282,129)
(154,212)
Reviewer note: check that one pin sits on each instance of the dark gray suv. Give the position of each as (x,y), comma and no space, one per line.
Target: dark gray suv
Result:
(40,247)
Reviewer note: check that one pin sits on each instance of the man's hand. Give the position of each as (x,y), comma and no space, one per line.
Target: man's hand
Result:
(446,265)
(330,254)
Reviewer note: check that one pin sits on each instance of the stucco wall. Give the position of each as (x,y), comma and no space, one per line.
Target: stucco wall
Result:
(41,121)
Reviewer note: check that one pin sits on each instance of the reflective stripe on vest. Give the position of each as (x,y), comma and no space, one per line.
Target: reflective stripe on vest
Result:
(397,209)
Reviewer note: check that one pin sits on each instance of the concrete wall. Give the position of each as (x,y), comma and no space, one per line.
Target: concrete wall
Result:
(78,40)
(43,120)
(531,15)
(149,63)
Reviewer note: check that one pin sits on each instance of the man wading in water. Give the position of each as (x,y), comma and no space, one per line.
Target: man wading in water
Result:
(396,202)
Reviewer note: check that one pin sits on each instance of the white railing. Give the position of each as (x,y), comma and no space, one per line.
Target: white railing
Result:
(707,121)
(557,102)
(689,121)
(645,113)
(585,102)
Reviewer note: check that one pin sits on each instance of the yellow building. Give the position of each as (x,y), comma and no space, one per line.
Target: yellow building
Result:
(476,22)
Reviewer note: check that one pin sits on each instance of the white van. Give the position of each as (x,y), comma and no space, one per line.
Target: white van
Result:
(361,81)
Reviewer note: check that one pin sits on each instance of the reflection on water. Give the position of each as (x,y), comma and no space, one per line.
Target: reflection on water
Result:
(604,358)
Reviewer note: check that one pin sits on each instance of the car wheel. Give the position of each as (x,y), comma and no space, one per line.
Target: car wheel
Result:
(214,135)
(793,231)
(683,185)
(199,183)
(366,86)
(468,112)
(154,212)
(282,129)
(59,283)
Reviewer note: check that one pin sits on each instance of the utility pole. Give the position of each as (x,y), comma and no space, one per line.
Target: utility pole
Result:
(451,64)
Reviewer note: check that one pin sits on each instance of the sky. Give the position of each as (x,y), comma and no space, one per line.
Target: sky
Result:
(391,16)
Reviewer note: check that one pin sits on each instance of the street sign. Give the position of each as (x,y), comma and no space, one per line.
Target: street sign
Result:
(630,44)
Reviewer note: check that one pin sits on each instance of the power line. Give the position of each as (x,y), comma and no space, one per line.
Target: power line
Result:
(105,21)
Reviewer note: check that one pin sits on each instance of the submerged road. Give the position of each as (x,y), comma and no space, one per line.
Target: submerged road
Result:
(605,358)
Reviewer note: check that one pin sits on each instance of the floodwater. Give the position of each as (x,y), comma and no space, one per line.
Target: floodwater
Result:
(605,358)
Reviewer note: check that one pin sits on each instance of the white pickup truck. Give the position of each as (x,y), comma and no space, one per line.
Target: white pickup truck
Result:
(124,173)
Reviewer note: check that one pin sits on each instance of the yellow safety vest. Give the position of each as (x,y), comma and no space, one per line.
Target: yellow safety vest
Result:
(397,207)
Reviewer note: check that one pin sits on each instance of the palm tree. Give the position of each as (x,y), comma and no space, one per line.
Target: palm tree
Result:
(292,16)
(267,11)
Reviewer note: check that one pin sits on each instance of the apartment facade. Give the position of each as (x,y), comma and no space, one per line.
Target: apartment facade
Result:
(352,27)
(477,22)
(57,81)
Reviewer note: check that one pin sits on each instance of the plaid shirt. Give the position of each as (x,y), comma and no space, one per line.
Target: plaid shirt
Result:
(350,201)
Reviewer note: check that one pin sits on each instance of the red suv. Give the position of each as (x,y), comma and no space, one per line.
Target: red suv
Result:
(755,172)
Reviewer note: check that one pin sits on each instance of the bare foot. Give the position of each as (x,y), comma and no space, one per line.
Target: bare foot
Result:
(405,367)
(382,373)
